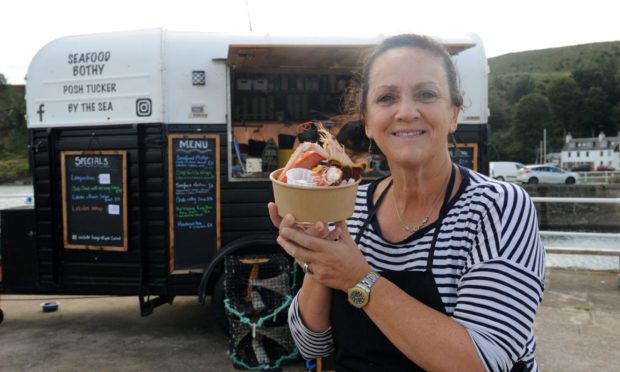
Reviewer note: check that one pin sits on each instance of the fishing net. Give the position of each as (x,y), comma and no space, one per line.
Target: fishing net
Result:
(258,291)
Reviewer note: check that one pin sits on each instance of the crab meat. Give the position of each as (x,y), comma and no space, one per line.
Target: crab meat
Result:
(332,176)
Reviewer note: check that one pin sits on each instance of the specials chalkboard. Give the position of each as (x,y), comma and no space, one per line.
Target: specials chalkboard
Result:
(94,200)
(194,195)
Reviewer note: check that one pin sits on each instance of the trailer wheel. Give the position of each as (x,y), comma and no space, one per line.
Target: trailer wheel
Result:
(1,315)
(217,303)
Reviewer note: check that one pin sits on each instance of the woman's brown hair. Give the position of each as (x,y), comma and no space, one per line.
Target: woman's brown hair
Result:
(356,100)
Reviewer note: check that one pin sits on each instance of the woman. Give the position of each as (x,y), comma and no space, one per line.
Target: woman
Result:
(439,268)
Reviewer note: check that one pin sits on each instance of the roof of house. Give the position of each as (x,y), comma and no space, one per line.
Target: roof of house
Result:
(592,143)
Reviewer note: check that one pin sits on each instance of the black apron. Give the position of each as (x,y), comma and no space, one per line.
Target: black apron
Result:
(358,343)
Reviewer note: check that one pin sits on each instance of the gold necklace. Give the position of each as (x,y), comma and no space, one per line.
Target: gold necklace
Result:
(411,228)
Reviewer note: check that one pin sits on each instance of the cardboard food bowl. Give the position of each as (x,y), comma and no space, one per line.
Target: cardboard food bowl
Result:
(313,204)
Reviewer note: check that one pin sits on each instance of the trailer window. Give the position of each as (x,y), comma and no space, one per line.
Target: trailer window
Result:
(276,87)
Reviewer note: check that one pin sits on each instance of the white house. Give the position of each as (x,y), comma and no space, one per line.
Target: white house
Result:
(592,151)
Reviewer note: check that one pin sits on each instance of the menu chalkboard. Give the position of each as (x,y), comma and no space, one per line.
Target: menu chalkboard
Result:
(465,154)
(94,199)
(193,193)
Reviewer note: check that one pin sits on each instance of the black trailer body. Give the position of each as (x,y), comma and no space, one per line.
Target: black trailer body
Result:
(36,260)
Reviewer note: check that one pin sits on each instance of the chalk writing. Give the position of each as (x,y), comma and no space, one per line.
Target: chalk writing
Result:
(194,187)
(94,200)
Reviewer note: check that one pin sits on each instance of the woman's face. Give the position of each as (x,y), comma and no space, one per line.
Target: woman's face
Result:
(409,112)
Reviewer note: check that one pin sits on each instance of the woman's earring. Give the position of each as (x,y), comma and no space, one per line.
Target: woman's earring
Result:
(452,139)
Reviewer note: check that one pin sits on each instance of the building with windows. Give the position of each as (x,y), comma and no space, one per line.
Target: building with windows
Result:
(591,153)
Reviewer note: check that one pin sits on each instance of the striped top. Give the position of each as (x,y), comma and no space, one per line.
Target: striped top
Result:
(489,268)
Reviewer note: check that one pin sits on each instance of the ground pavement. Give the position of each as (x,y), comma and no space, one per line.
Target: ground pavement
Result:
(578,329)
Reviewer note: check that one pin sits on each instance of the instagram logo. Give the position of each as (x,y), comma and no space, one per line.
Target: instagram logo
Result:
(143,107)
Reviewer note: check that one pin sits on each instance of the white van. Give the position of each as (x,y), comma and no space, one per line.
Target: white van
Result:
(505,170)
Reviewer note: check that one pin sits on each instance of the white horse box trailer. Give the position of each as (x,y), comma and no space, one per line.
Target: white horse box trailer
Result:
(141,153)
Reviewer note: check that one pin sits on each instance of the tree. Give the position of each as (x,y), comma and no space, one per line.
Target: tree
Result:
(532,116)
(500,123)
(499,87)
(13,132)
(597,113)
(565,99)
(607,66)
(587,78)
(499,118)
(3,80)
(523,86)
(615,115)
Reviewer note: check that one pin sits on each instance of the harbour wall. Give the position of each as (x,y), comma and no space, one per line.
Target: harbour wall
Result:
(577,216)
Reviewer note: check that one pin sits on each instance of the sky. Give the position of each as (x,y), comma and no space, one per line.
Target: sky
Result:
(505,26)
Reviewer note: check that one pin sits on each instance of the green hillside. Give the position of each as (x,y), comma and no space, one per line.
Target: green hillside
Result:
(555,60)
(572,89)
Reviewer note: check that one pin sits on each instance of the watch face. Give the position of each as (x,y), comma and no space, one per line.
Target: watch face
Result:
(358,297)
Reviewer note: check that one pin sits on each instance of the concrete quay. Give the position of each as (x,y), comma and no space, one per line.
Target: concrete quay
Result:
(578,329)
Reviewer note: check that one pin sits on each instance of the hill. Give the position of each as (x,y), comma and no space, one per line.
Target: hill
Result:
(555,61)
(572,89)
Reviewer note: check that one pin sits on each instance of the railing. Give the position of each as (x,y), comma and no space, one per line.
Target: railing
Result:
(15,196)
(26,199)
(614,251)
(599,177)
(547,199)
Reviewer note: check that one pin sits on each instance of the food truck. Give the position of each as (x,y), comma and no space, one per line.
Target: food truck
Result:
(150,152)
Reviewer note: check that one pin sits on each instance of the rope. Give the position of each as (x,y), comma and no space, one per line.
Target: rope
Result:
(261,320)
(259,323)
(244,319)
(292,356)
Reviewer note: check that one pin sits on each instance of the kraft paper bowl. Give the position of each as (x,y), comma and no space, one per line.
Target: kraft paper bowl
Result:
(312,204)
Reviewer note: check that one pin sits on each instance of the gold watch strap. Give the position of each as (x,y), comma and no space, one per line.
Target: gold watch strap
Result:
(368,281)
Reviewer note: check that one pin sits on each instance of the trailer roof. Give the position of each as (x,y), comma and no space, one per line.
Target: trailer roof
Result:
(262,58)
(161,76)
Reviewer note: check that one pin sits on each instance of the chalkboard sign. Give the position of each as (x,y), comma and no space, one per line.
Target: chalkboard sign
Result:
(194,196)
(465,154)
(94,200)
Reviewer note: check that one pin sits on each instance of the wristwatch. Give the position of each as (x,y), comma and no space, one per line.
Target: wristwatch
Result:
(359,295)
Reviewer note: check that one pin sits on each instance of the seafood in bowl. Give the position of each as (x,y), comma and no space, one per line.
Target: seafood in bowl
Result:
(319,182)
(327,160)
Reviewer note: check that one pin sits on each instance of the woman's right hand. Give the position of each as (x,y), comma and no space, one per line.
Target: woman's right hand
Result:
(314,298)
(276,220)
(318,229)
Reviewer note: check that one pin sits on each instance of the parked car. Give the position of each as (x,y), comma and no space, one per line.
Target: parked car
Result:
(605,168)
(546,174)
(582,168)
(505,170)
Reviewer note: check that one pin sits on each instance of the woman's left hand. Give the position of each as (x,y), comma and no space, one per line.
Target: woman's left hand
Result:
(334,261)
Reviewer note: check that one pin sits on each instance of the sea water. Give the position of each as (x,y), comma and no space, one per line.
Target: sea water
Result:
(15,196)
(583,261)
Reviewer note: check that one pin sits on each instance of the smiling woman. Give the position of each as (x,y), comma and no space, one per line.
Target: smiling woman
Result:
(419,284)
(421,98)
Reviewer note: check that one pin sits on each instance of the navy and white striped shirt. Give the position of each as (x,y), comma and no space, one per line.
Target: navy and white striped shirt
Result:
(489,268)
